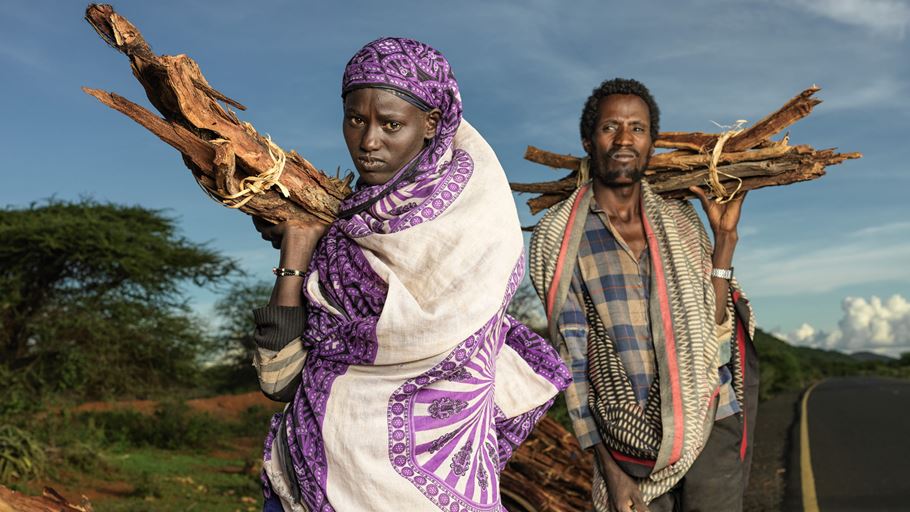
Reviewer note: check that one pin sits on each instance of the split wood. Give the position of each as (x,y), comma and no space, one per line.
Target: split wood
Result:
(750,156)
(549,471)
(232,162)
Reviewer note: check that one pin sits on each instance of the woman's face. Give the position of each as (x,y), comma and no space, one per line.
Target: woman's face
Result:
(384,132)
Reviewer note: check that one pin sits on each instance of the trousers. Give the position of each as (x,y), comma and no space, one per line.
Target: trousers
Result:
(717,479)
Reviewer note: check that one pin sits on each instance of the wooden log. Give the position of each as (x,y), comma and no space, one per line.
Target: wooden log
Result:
(693,141)
(799,163)
(797,108)
(679,159)
(549,472)
(196,125)
(750,156)
(566,184)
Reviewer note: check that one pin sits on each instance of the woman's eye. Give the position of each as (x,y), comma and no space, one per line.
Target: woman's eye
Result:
(393,125)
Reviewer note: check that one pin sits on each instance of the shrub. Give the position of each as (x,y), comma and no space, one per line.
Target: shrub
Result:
(21,456)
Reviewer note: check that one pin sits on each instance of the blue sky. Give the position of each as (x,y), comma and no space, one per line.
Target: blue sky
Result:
(827,263)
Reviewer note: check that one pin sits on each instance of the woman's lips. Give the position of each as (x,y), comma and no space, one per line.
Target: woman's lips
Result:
(371,164)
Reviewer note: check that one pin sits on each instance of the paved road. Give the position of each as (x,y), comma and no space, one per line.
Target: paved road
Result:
(859,437)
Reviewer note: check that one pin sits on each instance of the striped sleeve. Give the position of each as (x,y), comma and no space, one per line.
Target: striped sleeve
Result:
(280,352)
(279,371)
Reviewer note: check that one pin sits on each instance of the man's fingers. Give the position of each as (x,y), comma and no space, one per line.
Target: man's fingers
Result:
(742,197)
(702,196)
(260,223)
(638,504)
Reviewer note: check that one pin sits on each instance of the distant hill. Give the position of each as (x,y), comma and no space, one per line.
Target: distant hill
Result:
(787,367)
(865,355)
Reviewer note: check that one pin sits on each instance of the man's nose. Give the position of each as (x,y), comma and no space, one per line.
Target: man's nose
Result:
(623,136)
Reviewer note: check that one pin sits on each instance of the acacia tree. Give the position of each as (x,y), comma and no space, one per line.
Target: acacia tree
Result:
(92,299)
(526,308)
(234,338)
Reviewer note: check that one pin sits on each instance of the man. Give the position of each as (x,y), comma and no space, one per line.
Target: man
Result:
(645,311)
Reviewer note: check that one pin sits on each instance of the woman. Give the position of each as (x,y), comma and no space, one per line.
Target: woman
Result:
(411,386)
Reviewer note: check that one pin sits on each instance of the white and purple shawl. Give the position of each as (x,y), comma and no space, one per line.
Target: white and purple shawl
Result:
(417,386)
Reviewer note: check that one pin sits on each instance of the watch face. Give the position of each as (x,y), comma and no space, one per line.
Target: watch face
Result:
(723,273)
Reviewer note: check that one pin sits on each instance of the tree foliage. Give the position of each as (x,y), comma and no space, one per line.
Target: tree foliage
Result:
(92,296)
(235,345)
(527,309)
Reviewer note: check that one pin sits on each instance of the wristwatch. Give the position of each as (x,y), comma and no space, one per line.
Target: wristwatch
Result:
(723,273)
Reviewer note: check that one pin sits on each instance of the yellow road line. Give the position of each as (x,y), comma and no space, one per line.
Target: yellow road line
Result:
(810,501)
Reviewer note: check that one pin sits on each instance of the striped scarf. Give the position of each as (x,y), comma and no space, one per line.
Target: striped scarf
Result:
(656,446)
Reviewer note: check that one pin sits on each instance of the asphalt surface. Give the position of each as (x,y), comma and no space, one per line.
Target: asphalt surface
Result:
(859,438)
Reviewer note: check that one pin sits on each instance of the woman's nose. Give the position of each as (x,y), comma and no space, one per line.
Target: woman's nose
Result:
(370,139)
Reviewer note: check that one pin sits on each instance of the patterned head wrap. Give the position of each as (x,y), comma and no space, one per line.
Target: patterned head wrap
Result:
(421,76)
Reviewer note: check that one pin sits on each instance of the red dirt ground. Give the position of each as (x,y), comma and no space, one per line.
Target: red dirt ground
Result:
(228,407)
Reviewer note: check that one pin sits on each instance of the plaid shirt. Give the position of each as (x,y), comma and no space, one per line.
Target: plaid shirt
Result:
(618,285)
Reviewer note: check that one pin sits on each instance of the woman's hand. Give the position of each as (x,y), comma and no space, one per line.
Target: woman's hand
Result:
(297,240)
(295,231)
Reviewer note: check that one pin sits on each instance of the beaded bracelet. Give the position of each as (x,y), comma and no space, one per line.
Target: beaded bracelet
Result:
(284,272)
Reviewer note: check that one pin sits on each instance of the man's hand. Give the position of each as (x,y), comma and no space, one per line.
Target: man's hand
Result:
(722,217)
(622,491)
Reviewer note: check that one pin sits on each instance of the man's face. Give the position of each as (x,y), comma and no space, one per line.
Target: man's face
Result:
(621,145)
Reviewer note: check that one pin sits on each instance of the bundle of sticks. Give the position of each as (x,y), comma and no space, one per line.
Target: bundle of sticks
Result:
(549,471)
(235,165)
(744,160)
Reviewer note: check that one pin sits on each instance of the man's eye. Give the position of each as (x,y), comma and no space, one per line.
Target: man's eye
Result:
(355,120)
(609,128)
(639,129)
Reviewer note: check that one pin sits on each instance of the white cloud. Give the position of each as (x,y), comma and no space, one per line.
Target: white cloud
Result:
(885,17)
(877,325)
(883,230)
(882,90)
(872,254)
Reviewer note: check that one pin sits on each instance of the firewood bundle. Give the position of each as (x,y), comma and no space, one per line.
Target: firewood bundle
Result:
(745,160)
(549,472)
(235,165)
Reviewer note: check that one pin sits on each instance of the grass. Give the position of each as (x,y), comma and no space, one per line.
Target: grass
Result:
(172,460)
(165,480)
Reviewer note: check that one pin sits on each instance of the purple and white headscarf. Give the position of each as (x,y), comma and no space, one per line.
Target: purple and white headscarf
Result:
(417,386)
(420,75)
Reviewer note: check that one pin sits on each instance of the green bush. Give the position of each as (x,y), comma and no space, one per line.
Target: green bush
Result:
(254,421)
(172,426)
(17,398)
(21,457)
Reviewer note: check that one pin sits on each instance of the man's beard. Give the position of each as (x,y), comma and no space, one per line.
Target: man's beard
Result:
(601,171)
